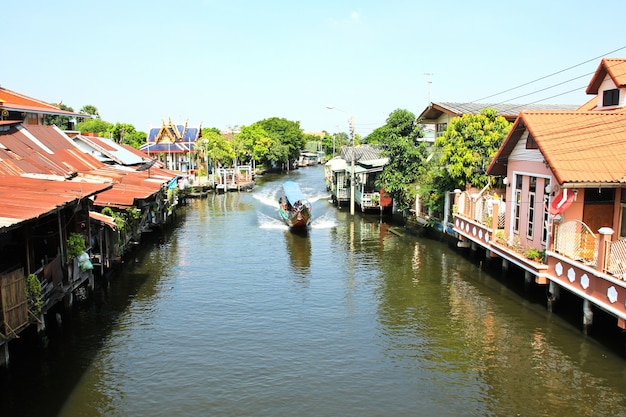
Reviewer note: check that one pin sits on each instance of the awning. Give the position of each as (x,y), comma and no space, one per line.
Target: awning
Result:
(104,219)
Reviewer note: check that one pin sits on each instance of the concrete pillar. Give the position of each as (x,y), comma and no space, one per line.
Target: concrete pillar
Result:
(41,324)
(474,246)
(553,295)
(505,264)
(605,236)
(528,279)
(587,315)
(4,355)
(494,218)
(68,300)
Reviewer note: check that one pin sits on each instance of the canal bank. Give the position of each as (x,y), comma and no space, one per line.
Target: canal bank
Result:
(568,306)
(230,314)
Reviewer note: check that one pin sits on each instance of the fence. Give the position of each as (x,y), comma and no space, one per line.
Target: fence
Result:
(575,240)
(14,303)
(481,208)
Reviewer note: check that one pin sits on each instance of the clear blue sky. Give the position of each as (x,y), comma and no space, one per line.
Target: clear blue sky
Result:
(228,63)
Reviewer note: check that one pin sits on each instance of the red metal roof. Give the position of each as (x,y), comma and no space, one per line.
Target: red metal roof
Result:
(15,101)
(22,199)
(45,151)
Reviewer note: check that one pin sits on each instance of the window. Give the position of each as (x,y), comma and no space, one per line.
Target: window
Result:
(546,212)
(531,143)
(531,206)
(441,128)
(610,97)
(518,202)
(622,221)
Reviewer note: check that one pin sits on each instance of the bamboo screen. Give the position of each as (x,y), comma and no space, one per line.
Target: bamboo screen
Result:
(14,303)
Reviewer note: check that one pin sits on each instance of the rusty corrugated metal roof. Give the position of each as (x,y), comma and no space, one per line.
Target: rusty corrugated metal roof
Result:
(108,150)
(22,199)
(45,152)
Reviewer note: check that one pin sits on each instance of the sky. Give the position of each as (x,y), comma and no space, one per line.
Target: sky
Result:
(230,63)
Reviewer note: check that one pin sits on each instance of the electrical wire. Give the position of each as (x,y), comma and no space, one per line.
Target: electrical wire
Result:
(549,75)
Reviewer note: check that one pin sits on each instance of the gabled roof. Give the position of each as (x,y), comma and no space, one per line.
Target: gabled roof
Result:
(579,147)
(590,105)
(175,133)
(509,111)
(615,68)
(11,100)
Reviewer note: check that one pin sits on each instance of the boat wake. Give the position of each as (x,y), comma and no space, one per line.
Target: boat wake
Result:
(269,195)
(267,222)
(326,221)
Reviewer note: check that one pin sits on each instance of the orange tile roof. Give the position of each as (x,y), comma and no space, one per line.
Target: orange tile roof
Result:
(578,147)
(13,98)
(590,105)
(614,67)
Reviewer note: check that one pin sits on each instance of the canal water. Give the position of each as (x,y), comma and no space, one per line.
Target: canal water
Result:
(231,314)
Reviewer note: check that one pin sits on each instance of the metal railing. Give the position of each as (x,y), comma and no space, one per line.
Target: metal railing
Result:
(575,240)
(480,208)
(616,259)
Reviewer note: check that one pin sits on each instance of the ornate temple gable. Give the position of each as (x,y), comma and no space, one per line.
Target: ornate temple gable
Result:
(172,138)
(170,133)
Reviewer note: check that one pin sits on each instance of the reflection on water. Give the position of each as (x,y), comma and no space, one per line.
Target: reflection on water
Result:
(298,245)
(232,314)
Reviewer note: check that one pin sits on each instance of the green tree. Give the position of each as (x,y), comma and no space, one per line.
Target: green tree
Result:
(256,142)
(400,139)
(120,131)
(400,122)
(335,142)
(62,122)
(214,146)
(288,137)
(91,110)
(469,144)
(96,126)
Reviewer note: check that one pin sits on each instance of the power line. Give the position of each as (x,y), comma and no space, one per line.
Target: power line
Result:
(548,88)
(549,75)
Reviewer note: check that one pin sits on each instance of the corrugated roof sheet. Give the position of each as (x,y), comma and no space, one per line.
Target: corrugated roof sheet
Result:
(509,111)
(45,151)
(108,150)
(23,199)
(360,153)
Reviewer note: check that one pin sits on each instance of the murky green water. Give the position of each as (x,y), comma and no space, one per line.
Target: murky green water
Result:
(232,315)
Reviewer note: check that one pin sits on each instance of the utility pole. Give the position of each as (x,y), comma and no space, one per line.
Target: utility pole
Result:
(352,157)
(352,166)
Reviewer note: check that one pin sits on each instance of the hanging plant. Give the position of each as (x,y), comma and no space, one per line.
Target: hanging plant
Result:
(33,294)
(75,245)
(117,217)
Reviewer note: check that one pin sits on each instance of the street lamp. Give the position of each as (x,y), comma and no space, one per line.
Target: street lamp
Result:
(351,120)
